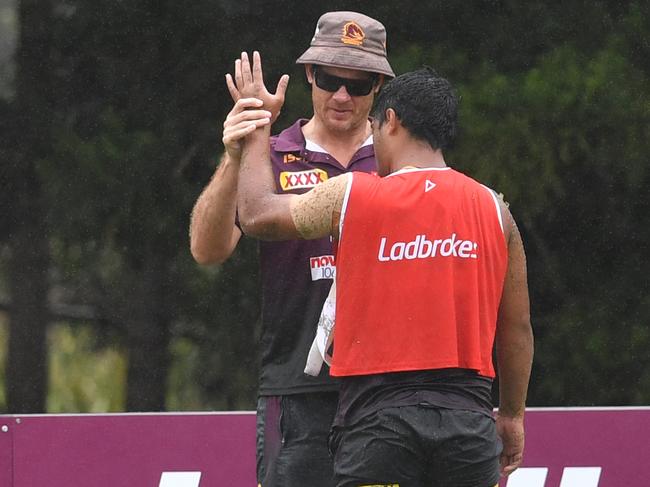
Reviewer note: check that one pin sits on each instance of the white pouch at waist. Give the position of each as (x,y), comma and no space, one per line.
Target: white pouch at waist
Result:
(319,351)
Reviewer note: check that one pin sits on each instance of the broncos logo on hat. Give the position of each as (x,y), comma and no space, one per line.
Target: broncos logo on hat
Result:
(353,34)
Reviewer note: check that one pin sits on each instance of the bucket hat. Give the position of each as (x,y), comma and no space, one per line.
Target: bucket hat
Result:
(349,40)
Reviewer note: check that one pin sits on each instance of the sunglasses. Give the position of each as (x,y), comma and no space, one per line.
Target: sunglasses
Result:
(354,87)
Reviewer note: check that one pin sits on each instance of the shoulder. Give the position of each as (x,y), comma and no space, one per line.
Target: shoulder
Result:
(313,212)
(328,196)
(358,178)
(337,186)
(492,198)
(466,178)
(503,210)
(476,186)
(323,195)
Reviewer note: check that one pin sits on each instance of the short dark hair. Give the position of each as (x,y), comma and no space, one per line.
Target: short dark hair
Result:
(425,104)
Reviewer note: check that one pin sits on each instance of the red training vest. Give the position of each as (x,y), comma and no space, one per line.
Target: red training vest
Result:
(420,270)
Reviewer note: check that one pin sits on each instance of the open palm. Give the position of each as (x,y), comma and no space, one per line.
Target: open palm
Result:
(249,83)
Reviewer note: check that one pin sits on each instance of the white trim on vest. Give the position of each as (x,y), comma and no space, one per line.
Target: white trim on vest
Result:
(344,206)
(496,203)
(418,169)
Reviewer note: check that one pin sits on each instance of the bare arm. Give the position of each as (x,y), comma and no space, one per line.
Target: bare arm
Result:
(213,233)
(317,213)
(262,212)
(270,216)
(514,341)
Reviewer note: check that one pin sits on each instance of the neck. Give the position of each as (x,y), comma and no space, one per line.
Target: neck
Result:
(333,140)
(418,158)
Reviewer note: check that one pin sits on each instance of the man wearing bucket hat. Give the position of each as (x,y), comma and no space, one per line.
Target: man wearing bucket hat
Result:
(345,65)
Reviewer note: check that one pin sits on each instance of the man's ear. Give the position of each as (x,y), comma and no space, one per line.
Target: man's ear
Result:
(391,120)
(379,83)
(309,72)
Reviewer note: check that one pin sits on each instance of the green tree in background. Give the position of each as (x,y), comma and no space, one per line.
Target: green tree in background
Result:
(29,121)
(570,152)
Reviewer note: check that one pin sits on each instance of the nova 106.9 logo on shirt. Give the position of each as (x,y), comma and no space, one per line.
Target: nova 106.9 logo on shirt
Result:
(322,267)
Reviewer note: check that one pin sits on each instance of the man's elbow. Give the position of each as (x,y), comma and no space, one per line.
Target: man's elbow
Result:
(266,226)
(253,227)
(214,255)
(516,332)
(248,214)
(253,219)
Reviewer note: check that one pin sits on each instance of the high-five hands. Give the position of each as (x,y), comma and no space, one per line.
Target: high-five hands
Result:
(254,105)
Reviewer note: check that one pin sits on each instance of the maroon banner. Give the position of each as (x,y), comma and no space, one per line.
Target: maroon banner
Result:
(585,447)
(594,447)
(139,450)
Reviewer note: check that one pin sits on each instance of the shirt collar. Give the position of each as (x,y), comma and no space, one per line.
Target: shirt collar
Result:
(291,139)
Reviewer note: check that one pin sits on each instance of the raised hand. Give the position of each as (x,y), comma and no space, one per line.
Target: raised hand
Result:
(249,83)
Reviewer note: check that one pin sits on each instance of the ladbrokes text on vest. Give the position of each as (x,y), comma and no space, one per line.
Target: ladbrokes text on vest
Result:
(423,248)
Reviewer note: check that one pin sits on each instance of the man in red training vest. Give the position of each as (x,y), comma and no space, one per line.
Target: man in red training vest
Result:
(431,272)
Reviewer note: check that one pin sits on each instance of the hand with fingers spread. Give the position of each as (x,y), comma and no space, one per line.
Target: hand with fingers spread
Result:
(244,118)
(249,83)
(511,432)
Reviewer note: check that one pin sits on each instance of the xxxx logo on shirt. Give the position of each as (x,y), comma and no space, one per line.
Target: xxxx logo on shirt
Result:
(302,179)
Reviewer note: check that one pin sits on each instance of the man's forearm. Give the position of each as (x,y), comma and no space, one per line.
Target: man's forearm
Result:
(514,338)
(213,234)
(514,357)
(262,212)
(255,177)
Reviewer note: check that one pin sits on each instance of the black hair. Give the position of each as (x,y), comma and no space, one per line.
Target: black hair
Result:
(425,104)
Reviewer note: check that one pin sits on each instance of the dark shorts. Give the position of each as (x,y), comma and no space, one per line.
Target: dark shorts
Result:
(292,433)
(417,446)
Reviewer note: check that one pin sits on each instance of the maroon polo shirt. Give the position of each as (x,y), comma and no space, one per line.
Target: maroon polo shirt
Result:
(297,275)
